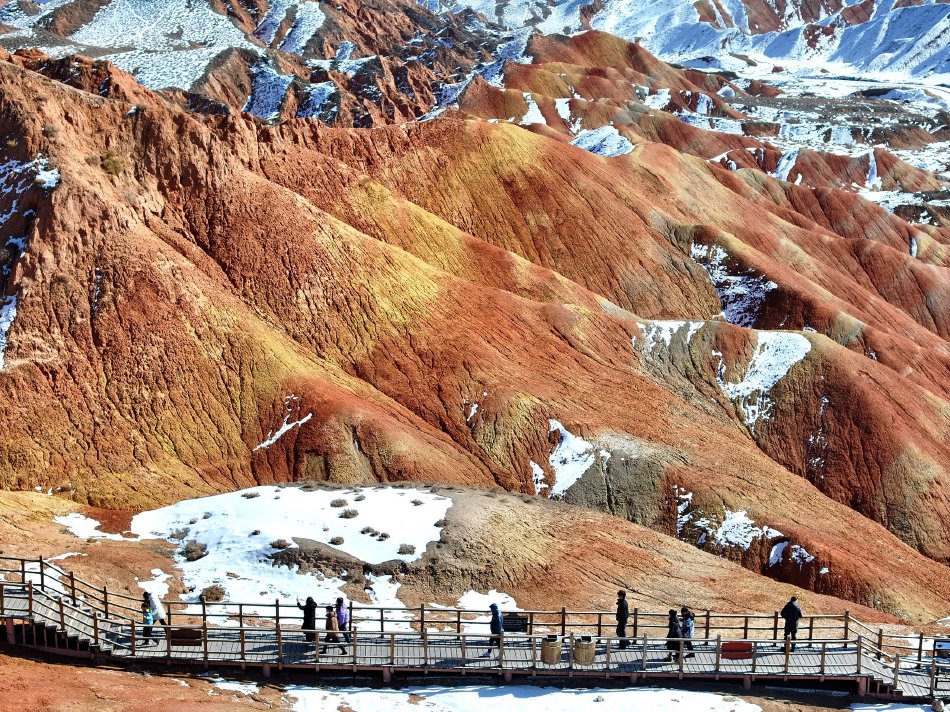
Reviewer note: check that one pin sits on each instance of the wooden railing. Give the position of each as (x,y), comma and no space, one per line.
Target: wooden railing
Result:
(112,619)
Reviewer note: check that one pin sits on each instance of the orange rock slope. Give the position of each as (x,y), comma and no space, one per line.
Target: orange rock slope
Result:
(204,302)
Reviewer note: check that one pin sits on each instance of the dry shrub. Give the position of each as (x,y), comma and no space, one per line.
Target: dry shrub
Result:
(213,593)
(194,550)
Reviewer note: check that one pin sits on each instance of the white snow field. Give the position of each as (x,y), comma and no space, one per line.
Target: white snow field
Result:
(240,528)
(518,697)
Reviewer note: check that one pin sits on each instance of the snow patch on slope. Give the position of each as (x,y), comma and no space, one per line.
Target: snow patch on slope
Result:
(742,295)
(776,352)
(572,457)
(605,141)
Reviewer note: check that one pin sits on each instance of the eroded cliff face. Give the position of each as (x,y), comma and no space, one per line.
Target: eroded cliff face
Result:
(202,302)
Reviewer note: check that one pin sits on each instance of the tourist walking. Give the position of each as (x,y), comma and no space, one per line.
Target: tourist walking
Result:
(623,613)
(688,627)
(792,613)
(332,635)
(148,620)
(309,626)
(673,634)
(155,606)
(343,619)
(497,627)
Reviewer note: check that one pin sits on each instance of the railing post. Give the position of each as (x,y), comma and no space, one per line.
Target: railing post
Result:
(644,663)
(681,656)
(859,651)
(29,598)
(607,663)
(392,649)
(718,652)
(204,637)
(204,611)
(531,623)
(745,628)
(847,626)
(636,617)
(277,616)
(241,617)
(824,650)
(458,622)
(933,678)
(755,656)
(23,571)
(42,574)
(563,621)
(464,654)
(381,626)
(788,653)
(72,587)
(920,648)
(95,627)
(775,626)
(534,653)
(811,629)
(501,650)
(706,634)
(62,615)
(132,639)
(880,642)
(280,647)
(422,619)
(105,601)
(425,651)
(3,606)
(600,624)
(897,669)
(243,640)
(353,637)
(570,657)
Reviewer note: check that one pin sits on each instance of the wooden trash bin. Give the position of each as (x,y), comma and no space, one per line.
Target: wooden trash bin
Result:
(584,650)
(551,650)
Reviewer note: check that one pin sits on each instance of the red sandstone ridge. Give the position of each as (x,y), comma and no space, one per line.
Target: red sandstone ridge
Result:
(204,302)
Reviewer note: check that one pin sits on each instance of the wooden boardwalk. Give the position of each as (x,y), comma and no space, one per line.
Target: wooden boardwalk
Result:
(58,619)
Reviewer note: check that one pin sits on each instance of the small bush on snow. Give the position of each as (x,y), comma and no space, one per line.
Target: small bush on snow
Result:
(338,503)
(250,495)
(349,514)
(360,497)
(383,536)
(336,541)
(407,549)
(213,593)
(417,502)
(280,544)
(179,533)
(369,530)
(194,550)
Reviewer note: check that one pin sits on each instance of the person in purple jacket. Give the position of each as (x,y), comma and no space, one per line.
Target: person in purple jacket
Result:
(343,619)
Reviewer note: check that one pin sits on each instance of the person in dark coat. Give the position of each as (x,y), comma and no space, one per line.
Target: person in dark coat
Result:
(309,619)
(673,634)
(332,635)
(497,627)
(623,613)
(689,628)
(792,613)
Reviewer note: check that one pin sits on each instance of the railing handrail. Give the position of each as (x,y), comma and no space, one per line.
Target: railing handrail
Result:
(707,620)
